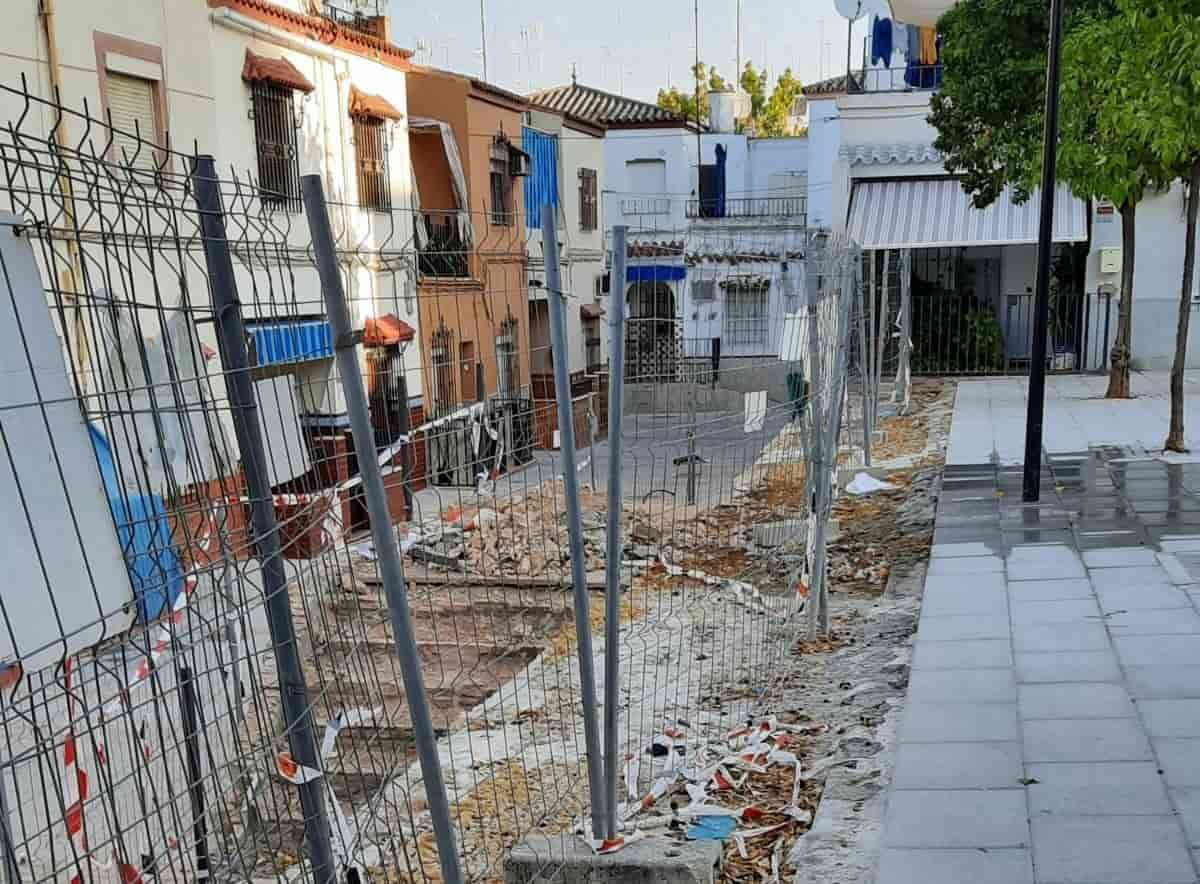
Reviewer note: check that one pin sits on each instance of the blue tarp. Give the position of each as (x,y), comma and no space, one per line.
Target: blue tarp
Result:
(145,538)
(292,340)
(656,273)
(541,185)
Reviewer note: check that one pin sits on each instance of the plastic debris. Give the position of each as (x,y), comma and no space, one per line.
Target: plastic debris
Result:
(712,828)
(864,483)
(612,845)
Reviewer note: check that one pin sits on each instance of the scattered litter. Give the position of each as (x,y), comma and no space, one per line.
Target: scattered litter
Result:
(612,845)
(864,483)
(711,828)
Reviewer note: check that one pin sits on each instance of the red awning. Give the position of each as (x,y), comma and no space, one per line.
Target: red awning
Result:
(279,71)
(363,104)
(386,331)
(590,311)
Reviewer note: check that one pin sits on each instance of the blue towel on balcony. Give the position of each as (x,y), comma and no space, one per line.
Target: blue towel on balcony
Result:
(912,71)
(881,42)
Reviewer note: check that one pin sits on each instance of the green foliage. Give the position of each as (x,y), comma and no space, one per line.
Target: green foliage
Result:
(768,112)
(989,112)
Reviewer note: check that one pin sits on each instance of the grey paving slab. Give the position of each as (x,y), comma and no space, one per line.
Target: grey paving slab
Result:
(966,600)
(1120,557)
(907,866)
(1187,805)
(966,565)
(1180,761)
(1085,739)
(1110,850)
(1049,570)
(973,654)
(1170,718)
(1167,621)
(1158,650)
(962,686)
(959,722)
(1163,682)
(1108,579)
(958,584)
(1074,700)
(1060,611)
(1067,666)
(957,766)
(979,820)
(1142,598)
(963,627)
(1045,637)
(1176,571)
(962,550)
(1094,788)
(1049,590)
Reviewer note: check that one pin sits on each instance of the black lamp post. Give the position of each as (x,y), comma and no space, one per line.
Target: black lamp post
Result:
(1041,313)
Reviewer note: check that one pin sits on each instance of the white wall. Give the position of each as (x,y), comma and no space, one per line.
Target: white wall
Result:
(677,148)
(824,142)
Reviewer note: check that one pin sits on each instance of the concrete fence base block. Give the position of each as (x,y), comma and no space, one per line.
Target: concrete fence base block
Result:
(565,859)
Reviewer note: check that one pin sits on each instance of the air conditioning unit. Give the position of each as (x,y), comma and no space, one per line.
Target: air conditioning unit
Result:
(518,163)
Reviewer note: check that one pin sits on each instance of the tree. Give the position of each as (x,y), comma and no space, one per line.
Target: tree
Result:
(683,102)
(989,117)
(1101,156)
(769,114)
(1160,72)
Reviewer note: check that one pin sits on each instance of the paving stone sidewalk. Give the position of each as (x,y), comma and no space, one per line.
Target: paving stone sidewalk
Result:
(1052,731)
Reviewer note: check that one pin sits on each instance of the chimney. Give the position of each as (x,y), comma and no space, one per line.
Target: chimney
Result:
(726,108)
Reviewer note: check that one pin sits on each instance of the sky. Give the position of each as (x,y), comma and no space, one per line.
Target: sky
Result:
(633,47)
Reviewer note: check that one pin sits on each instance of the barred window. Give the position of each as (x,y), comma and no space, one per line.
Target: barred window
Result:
(591,336)
(588,208)
(444,398)
(502,214)
(275,140)
(371,158)
(508,377)
(746,316)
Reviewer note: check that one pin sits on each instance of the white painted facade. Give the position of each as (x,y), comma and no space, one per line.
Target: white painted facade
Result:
(581,251)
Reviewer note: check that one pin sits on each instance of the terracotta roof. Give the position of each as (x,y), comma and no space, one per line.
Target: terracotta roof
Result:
(832,86)
(363,104)
(320,29)
(382,331)
(606,109)
(279,71)
(673,249)
(677,249)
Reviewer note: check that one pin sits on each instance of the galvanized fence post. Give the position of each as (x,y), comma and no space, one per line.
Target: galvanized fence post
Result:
(613,552)
(231,335)
(566,425)
(386,550)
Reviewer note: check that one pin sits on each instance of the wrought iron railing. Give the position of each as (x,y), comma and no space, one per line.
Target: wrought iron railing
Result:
(792,207)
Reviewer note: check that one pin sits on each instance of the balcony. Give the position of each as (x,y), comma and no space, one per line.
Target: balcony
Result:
(646,206)
(445,251)
(910,78)
(794,208)
(367,18)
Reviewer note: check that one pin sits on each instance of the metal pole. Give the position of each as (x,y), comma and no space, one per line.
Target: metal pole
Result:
(1041,318)
(613,554)
(592,427)
(691,450)
(12,871)
(405,427)
(815,466)
(483,36)
(191,740)
(391,571)
(231,336)
(864,371)
(566,426)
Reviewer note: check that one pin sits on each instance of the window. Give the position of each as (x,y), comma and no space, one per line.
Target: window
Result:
(746,319)
(443,370)
(704,290)
(275,139)
(371,158)
(501,185)
(132,103)
(591,339)
(589,215)
(507,377)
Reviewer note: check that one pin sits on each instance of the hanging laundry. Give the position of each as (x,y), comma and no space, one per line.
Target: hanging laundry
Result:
(881,42)
(928,41)
(912,70)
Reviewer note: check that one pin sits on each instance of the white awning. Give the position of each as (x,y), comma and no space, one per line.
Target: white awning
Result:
(933,213)
(920,12)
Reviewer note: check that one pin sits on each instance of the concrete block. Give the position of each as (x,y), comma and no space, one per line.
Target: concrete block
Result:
(964,818)
(959,722)
(1177,621)
(962,627)
(906,865)
(1079,789)
(1021,591)
(1067,666)
(962,686)
(1180,761)
(1074,700)
(1164,682)
(1053,637)
(957,766)
(565,859)
(1091,739)
(976,654)
(968,565)
(1060,611)
(1158,650)
(1171,718)
(1151,597)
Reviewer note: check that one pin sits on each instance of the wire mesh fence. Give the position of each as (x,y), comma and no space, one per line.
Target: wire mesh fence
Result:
(210,667)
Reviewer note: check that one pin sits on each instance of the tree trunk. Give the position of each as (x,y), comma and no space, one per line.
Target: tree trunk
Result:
(1118,377)
(1175,439)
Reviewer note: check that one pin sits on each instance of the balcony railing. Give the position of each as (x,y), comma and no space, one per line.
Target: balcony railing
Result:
(369,18)
(445,252)
(793,207)
(910,78)
(646,206)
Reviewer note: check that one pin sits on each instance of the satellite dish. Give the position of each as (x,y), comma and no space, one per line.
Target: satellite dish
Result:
(850,9)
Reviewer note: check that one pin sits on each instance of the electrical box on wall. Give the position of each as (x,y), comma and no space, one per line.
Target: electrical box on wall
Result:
(1110,260)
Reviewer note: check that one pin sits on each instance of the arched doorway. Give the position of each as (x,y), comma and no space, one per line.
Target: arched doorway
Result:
(651,333)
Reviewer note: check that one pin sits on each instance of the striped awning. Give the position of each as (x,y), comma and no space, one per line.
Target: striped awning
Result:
(933,213)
